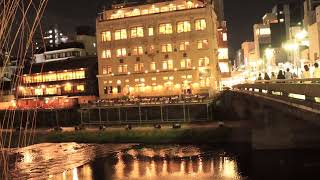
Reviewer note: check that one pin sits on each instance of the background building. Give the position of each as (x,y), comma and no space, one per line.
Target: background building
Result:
(158,49)
(58,84)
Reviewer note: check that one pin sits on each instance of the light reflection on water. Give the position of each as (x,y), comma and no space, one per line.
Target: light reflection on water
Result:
(157,163)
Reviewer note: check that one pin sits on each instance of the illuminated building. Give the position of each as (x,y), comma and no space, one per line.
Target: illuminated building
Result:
(314,38)
(223,50)
(58,84)
(157,49)
(54,36)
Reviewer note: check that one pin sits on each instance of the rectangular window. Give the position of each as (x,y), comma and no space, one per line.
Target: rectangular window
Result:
(106,36)
(165,28)
(123,68)
(152,66)
(138,67)
(120,34)
(224,37)
(184,46)
(137,51)
(109,70)
(150,31)
(183,26)
(185,63)
(153,78)
(80,87)
(122,52)
(200,24)
(166,48)
(106,54)
(104,70)
(203,44)
(204,62)
(136,32)
(164,65)
(170,64)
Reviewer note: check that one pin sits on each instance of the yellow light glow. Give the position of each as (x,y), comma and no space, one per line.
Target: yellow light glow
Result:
(291,46)
(301,35)
(269,52)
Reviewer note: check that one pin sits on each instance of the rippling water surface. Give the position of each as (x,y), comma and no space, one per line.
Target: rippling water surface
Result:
(71,161)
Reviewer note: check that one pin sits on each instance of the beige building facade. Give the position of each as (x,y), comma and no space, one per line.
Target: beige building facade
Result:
(159,49)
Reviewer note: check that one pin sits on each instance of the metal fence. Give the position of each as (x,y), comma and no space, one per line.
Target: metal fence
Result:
(144,114)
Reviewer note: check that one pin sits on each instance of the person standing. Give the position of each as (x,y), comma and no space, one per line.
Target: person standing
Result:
(259,77)
(316,73)
(288,74)
(273,76)
(306,73)
(281,75)
(266,77)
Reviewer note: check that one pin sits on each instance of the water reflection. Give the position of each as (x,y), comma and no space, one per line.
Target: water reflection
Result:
(158,163)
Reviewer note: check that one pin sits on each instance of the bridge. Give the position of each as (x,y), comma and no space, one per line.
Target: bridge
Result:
(282,113)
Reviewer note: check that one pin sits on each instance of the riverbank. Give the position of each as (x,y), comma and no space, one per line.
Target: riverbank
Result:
(232,132)
(142,135)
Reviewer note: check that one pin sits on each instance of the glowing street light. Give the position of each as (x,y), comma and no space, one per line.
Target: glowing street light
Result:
(301,35)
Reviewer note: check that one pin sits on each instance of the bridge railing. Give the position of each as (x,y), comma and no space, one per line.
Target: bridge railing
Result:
(303,89)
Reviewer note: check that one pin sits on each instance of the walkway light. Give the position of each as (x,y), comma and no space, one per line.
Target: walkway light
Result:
(269,52)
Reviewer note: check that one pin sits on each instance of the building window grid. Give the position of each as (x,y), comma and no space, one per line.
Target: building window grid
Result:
(200,24)
(166,48)
(54,76)
(137,51)
(137,32)
(120,34)
(165,28)
(106,36)
(183,26)
(121,52)
(184,46)
(203,44)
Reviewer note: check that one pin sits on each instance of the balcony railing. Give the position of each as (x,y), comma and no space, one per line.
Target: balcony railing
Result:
(300,89)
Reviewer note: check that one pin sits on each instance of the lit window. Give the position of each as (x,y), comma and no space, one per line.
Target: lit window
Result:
(106,36)
(153,78)
(264,31)
(202,44)
(136,32)
(152,66)
(224,37)
(223,53)
(150,31)
(172,7)
(104,71)
(171,78)
(165,78)
(123,68)
(144,12)
(185,63)
(164,9)
(120,34)
(106,54)
(68,87)
(189,76)
(137,51)
(80,87)
(183,26)
(122,52)
(138,67)
(135,12)
(184,46)
(204,62)
(200,24)
(109,70)
(170,64)
(166,48)
(164,65)
(165,28)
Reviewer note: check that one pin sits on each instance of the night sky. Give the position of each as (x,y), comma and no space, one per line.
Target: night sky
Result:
(240,16)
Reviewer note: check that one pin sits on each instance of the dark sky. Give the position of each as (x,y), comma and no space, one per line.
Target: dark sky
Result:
(240,16)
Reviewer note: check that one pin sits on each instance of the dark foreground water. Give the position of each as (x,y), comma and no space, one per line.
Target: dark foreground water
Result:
(82,161)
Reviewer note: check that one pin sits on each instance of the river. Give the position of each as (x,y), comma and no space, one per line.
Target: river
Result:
(130,161)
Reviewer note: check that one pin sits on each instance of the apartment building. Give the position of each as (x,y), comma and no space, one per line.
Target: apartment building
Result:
(158,49)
